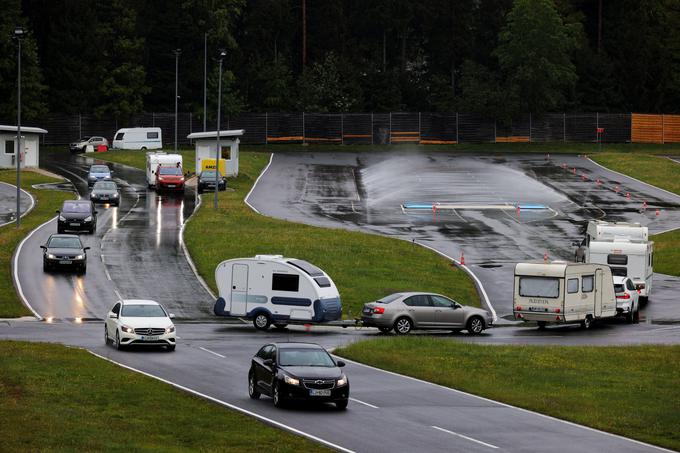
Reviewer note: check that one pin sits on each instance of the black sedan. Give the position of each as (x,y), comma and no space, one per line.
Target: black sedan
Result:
(105,192)
(64,250)
(297,372)
(77,215)
(206,181)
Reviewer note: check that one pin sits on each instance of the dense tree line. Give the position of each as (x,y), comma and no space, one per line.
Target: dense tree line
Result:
(494,57)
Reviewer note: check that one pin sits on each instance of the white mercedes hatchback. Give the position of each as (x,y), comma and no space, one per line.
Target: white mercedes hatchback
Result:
(136,322)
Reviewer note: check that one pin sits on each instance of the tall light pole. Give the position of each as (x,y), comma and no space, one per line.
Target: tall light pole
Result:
(177,52)
(205,78)
(19,34)
(223,53)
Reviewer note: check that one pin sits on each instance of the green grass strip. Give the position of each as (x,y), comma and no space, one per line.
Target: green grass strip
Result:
(47,201)
(58,399)
(632,391)
(660,172)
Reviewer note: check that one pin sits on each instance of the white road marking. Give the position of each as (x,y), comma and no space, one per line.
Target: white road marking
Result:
(364,403)
(231,406)
(211,352)
(356,186)
(255,184)
(117,294)
(106,271)
(464,437)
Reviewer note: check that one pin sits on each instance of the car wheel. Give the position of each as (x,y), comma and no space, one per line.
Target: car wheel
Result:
(60,230)
(83,269)
(280,326)
(171,347)
(278,398)
(475,325)
(587,323)
(341,405)
(541,325)
(402,326)
(46,267)
(252,389)
(116,342)
(106,335)
(261,321)
(385,329)
(143,148)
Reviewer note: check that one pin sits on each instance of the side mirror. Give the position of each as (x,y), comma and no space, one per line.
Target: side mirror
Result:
(44,247)
(86,248)
(58,211)
(340,363)
(268,362)
(96,212)
(171,316)
(113,315)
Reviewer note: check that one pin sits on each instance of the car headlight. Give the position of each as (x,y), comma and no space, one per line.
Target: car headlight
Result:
(290,380)
(92,195)
(88,219)
(62,218)
(51,256)
(170,329)
(80,257)
(92,177)
(342,381)
(127,329)
(115,195)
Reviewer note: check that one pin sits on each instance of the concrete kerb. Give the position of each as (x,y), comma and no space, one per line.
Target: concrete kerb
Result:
(23,214)
(478,283)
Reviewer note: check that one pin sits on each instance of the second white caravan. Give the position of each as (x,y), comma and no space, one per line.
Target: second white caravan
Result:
(154,159)
(632,259)
(271,289)
(138,138)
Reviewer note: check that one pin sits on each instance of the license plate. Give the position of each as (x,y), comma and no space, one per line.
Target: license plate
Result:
(65,262)
(104,197)
(74,224)
(537,309)
(149,337)
(171,185)
(317,392)
(368,311)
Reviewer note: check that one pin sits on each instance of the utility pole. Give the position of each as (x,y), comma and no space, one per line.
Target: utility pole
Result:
(599,26)
(177,52)
(19,34)
(223,53)
(304,33)
(205,78)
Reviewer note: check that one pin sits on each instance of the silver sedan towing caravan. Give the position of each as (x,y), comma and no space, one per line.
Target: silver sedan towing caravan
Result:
(271,289)
(561,292)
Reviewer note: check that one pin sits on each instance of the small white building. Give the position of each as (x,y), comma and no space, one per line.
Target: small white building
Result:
(206,147)
(30,142)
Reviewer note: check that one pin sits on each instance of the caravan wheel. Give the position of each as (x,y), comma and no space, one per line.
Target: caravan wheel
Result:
(586,323)
(261,321)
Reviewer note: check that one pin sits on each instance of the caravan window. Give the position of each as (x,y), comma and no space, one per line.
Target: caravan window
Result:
(539,287)
(152,135)
(587,283)
(572,285)
(285,282)
(617,259)
(120,135)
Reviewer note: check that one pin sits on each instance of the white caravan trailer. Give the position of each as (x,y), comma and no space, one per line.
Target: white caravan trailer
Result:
(273,289)
(154,159)
(627,258)
(561,292)
(138,138)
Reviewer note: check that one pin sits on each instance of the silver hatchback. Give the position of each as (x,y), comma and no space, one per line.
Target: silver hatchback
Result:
(404,312)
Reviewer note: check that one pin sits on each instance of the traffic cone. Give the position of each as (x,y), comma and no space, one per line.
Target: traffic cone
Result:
(573,170)
(617,189)
(644,205)
(545,257)
(628,195)
(658,213)
(462,258)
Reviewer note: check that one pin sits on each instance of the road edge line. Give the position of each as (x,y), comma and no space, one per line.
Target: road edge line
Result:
(25,213)
(529,411)
(262,418)
(634,179)
(271,158)
(185,250)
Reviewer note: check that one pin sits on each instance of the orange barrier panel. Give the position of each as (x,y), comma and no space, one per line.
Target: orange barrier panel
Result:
(321,139)
(357,136)
(515,139)
(416,133)
(671,128)
(646,128)
(438,142)
(285,139)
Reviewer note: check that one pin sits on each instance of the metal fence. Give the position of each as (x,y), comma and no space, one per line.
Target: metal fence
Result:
(385,128)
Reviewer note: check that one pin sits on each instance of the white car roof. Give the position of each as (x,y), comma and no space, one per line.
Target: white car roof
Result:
(619,279)
(139,302)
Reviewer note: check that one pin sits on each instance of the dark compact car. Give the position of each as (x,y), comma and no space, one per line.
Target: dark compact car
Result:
(98,173)
(105,192)
(206,181)
(297,372)
(77,215)
(64,250)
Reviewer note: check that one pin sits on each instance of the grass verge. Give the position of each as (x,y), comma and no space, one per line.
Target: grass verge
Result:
(660,172)
(46,202)
(54,398)
(363,266)
(631,391)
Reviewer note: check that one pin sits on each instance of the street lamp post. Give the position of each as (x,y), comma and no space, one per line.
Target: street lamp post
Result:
(19,34)
(177,52)
(205,78)
(223,54)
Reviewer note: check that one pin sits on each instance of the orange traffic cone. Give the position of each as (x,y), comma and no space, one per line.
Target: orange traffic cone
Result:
(462,258)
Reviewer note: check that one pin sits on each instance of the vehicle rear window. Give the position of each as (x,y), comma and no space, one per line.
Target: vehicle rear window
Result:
(620,271)
(71,206)
(572,285)
(618,288)
(120,135)
(175,171)
(285,282)
(388,299)
(143,311)
(152,135)
(105,185)
(65,243)
(617,259)
(99,169)
(539,287)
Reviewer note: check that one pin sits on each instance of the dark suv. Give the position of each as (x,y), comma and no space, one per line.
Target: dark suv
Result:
(77,215)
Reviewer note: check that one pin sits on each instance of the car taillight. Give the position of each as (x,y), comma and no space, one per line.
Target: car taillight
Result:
(623,296)
(378,310)
(519,308)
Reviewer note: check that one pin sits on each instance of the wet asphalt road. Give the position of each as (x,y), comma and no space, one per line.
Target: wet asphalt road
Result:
(8,203)
(135,252)
(387,412)
(479,219)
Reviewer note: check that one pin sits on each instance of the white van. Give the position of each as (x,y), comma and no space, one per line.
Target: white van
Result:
(154,159)
(561,292)
(138,138)
(627,258)
(271,289)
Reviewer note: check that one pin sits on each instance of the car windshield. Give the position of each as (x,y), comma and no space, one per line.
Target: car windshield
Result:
(305,357)
(209,174)
(65,243)
(388,299)
(143,311)
(105,185)
(99,169)
(71,206)
(176,171)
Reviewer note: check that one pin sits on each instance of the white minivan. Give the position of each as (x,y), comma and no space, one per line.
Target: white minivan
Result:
(138,138)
